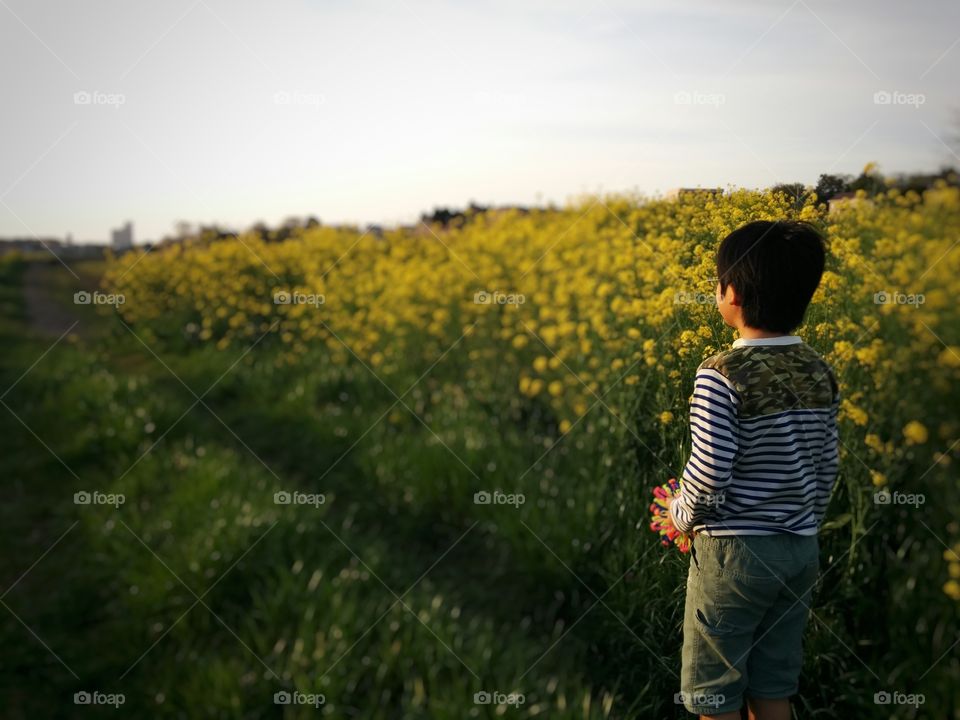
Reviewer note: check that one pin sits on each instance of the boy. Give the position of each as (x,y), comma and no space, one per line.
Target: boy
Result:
(755,489)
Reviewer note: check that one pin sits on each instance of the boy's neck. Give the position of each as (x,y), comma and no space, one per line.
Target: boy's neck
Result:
(749,333)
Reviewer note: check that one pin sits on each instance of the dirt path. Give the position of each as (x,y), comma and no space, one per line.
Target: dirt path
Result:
(47,315)
(48,294)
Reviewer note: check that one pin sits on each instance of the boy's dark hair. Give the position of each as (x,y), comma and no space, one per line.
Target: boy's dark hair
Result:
(774,267)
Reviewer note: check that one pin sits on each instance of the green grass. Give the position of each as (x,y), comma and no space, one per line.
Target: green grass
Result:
(292,593)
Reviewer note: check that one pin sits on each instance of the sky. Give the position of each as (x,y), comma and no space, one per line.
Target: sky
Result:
(235,111)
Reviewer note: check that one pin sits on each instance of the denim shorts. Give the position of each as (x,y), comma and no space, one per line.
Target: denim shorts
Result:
(748,599)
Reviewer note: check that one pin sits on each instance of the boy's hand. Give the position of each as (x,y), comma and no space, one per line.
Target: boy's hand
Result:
(673,521)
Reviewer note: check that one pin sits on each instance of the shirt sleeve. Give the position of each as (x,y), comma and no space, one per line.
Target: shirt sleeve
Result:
(714,429)
(829,464)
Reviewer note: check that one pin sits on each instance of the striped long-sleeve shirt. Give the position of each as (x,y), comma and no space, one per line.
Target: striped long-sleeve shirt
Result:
(763,420)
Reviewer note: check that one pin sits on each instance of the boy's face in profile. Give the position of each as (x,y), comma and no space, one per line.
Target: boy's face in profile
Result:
(729,311)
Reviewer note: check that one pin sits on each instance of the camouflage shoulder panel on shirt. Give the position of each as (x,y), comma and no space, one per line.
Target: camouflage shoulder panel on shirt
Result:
(774,378)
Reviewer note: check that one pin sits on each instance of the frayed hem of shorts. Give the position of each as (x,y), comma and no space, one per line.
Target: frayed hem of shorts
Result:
(714,709)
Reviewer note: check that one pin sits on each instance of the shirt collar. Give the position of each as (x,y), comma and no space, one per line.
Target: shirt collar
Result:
(779,340)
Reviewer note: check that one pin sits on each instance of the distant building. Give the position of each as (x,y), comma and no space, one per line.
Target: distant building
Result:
(846,200)
(122,239)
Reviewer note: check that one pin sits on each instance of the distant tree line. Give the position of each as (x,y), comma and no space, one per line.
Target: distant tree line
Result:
(186,232)
(446,217)
(454,217)
(828,187)
(870,180)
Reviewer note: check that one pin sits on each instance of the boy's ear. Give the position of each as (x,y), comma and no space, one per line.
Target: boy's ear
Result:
(731,296)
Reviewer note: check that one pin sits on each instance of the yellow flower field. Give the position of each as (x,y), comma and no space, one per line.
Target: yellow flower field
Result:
(577,307)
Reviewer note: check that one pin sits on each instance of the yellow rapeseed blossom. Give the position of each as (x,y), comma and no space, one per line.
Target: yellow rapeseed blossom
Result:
(857,415)
(915,432)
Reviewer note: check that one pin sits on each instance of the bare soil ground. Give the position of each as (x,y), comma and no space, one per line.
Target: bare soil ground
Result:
(47,315)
